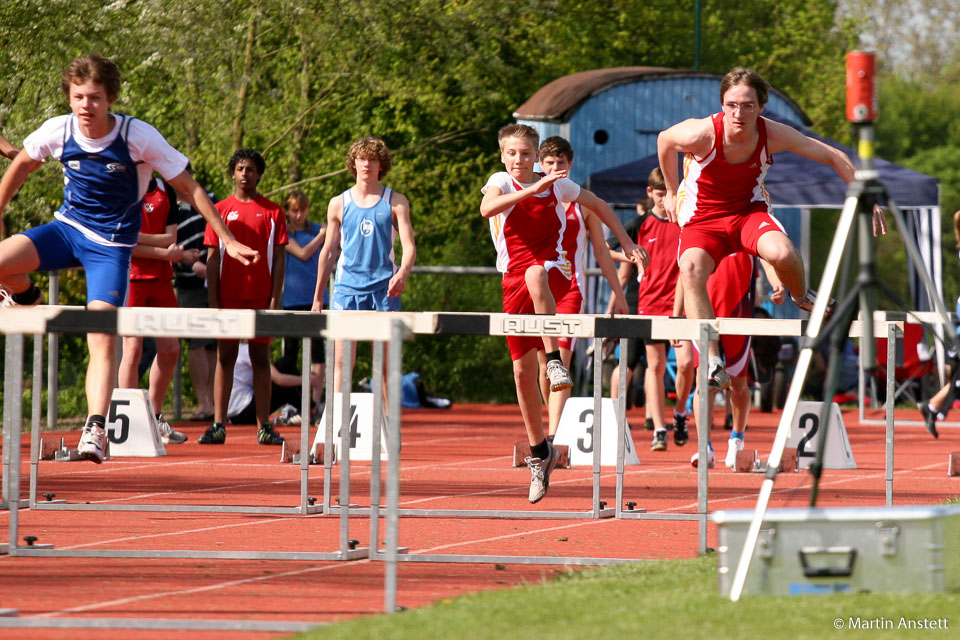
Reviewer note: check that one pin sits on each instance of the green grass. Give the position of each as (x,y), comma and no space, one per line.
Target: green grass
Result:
(657,599)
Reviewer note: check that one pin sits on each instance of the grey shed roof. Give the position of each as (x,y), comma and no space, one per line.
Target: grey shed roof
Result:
(559,99)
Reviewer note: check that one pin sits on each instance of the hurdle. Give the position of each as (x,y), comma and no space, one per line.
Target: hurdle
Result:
(231,324)
(576,325)
(930,318)
(701,331)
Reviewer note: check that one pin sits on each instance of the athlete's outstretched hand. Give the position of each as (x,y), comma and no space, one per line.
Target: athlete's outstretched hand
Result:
(879,221)
(620,305)
(670,205)
(241,252)
(397,284)
(544,183)
(779,294)
(637,255)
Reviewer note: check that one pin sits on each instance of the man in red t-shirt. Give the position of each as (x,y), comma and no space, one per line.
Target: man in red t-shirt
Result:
(151,272)
(233,285)
(722,205)
(655,297)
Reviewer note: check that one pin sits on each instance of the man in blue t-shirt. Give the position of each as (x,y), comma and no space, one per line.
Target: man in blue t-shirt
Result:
(107,161)
(300,279)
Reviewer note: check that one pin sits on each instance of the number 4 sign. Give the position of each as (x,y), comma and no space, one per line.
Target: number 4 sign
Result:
(576,430)
(360,426)
(805,436)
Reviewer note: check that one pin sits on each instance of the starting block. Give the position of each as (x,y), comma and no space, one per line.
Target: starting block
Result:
(953,466)
(746,460)
(290,452)
(521,449)
(49,448)
(788,461)
(63,454)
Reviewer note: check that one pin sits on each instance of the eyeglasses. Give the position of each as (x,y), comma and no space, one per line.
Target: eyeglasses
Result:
(745,107)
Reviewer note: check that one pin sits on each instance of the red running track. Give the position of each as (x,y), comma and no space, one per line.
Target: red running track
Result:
(459,458)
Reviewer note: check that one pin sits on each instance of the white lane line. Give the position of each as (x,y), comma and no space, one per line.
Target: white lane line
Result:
(287,574)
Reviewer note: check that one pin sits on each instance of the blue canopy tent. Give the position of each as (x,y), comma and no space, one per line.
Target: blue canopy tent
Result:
(799,183)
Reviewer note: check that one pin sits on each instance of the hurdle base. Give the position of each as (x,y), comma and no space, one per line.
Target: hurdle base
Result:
(5,547)
(521,449)
(9,613)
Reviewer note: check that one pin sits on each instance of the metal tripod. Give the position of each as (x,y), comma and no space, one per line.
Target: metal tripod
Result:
(862,195)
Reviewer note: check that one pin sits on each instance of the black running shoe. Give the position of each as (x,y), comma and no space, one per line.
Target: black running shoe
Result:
(648,424)
(680,436)
(215,434)
(929,419)
(266,435)
(659,442)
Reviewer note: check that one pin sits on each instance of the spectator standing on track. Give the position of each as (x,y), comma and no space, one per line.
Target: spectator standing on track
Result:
(300,282)
(941,402)
(527,222)
(233,285)
(721,204)
(656,297)
(731,289)
(363,223)
(150,285)
(107,160)
(190,282)
(556,154)
(628,276)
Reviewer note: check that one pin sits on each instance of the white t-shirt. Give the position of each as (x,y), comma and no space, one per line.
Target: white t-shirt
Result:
(146,146)
(242,393)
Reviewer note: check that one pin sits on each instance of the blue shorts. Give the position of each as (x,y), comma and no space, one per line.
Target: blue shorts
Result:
(61,246)
(372,301)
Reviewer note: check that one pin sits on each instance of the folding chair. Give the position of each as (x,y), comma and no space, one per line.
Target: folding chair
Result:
(909,370)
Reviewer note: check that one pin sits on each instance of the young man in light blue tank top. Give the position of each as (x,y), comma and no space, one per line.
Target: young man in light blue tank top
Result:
(362,224)
(107,162)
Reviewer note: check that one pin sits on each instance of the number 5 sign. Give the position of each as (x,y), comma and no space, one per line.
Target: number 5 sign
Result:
(805,436)
(132,425)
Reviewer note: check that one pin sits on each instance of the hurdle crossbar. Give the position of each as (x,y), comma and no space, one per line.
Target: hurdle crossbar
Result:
(229,324)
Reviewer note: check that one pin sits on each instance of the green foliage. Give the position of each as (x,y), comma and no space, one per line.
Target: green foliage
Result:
(300,80)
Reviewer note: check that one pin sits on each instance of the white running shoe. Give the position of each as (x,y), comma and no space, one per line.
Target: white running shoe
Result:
(733,446)
(809,299)
(6,298)
(540,473)
(558,375)
(92,442)
(711,459)
(719,379)
(168,435)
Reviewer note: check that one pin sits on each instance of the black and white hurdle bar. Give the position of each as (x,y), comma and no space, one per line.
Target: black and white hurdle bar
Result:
(229,324)
(472,323)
